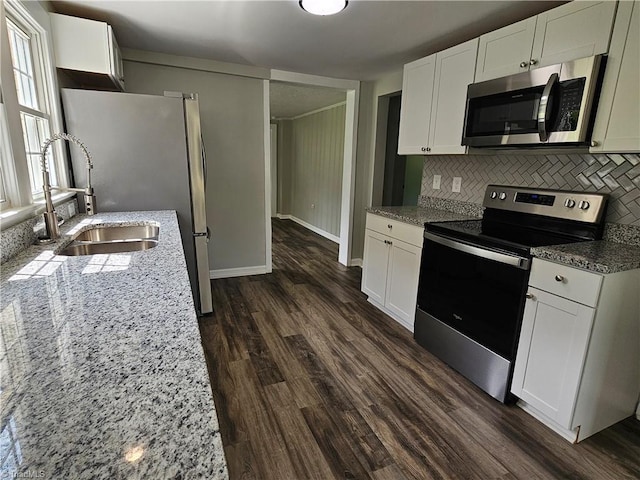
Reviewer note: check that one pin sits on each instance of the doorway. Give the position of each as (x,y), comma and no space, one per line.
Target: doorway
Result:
(344,192)
(402,173)
(274,168)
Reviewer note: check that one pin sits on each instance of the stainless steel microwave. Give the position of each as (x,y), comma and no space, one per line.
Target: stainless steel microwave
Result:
(546,106)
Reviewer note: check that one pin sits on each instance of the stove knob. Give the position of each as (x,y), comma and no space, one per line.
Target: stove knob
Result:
(494,195)
(584,205)
(569,203)
(503,196)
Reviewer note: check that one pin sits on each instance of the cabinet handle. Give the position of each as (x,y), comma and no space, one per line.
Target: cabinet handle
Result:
(428,149)
(533,61)
(523,64)
(530,296)
(424,149)
(595,143)
(559,278)
(390,226)
(388,242)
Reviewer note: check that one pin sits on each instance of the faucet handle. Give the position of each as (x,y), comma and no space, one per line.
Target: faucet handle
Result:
(90,203)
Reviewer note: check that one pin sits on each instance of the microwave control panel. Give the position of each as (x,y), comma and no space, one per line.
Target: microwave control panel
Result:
(569,100)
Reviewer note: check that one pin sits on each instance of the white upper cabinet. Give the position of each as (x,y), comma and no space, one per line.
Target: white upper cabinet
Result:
(415,109)
(87,50)
(505,51)
(454,72)
(434,91)
(575,30)
(617,126)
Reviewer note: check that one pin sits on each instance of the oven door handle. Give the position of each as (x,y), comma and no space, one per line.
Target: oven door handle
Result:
(514,260)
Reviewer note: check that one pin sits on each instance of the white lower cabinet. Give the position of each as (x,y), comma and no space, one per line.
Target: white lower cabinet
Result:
(391,267)
(577,365)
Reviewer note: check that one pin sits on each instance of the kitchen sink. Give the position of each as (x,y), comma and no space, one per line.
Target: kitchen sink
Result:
(113,239)
(93,248)
(119,233)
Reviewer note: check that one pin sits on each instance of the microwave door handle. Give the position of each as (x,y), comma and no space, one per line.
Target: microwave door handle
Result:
(543,108)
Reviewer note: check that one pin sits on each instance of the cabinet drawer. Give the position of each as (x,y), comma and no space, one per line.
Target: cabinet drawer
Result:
(571,283)
(393,228)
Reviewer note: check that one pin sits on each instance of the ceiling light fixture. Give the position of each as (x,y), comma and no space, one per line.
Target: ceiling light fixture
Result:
(323,7)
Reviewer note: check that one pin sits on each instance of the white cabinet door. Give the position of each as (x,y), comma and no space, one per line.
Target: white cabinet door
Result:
(617,127)
(455,69)
(116,60)
(415,110)
(574,30)
(501,52)
(86,46)
(402,280)
(551,352)
(374,266)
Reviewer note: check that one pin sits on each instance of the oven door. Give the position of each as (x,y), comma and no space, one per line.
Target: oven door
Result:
(476,291)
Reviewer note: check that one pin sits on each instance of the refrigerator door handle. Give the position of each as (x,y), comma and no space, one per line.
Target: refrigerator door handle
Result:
(204,279)
(203,234)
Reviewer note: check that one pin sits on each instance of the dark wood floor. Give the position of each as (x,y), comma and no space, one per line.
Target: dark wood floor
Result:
(310,381)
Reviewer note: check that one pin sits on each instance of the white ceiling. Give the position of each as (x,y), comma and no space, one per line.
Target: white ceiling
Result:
(289,101)
(365,41)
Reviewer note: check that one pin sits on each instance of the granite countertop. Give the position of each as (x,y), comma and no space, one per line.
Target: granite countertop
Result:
(418,215)
(597,256)
(102,373)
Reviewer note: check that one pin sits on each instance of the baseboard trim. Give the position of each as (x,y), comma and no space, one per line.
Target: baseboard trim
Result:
(356,262)
(238,272)
(314,229)
(569,435)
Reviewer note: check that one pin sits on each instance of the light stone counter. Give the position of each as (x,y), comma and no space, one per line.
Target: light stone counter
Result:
(102,373)
(418,215)
(598,256)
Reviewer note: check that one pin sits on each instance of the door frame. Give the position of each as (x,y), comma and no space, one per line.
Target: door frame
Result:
(273,134)
(352,90)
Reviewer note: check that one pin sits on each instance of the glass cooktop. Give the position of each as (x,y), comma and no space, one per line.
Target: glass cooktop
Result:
(512,238)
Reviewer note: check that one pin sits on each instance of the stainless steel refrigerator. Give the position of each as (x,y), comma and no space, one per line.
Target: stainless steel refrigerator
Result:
(147,155)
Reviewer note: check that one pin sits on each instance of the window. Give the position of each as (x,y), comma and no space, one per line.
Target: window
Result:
(5,142)
(29,111)
(3,196)
(32,101)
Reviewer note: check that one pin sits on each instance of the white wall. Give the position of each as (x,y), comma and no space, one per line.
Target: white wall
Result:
(312,190)
(370,151)
(233,127)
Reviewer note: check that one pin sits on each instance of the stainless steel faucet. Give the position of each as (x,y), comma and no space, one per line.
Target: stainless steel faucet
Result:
(50,215)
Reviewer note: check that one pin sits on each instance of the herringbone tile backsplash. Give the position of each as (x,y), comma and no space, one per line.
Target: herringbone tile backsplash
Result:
(616,174)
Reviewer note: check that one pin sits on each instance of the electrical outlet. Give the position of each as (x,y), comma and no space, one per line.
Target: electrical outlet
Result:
(457,183)
(436,182)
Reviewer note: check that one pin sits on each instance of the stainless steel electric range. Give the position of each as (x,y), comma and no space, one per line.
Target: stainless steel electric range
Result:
(474,275)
